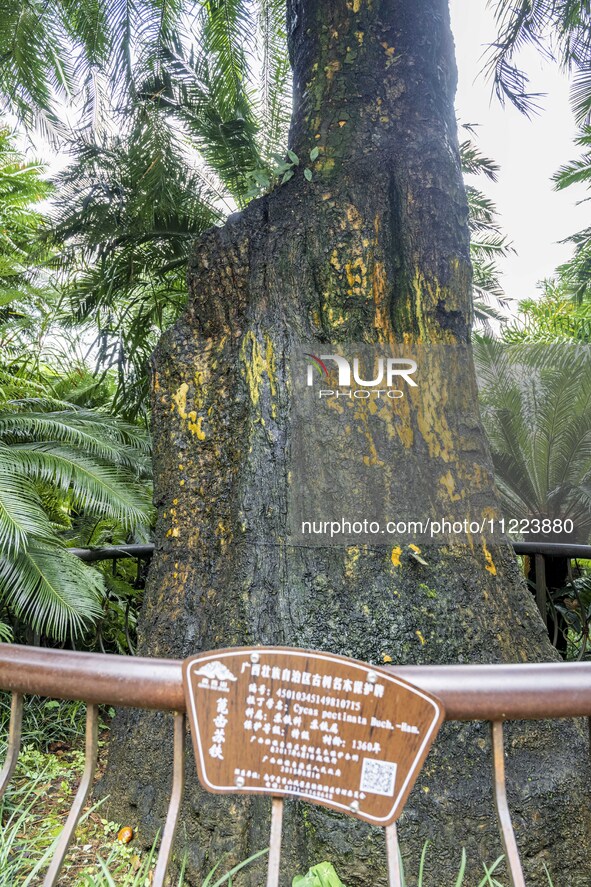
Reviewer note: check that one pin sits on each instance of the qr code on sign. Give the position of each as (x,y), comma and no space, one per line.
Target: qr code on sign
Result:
(378,777)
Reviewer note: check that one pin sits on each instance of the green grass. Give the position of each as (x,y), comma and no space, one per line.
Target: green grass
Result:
(33,812)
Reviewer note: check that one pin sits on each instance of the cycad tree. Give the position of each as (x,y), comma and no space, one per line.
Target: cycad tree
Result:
(536,408)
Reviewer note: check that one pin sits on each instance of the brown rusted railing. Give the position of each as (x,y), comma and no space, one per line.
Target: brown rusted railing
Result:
(494,693)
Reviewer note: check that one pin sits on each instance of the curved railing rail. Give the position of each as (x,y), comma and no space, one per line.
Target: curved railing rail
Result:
(494,693)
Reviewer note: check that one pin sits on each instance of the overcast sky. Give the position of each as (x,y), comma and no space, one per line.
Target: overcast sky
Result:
(528,151)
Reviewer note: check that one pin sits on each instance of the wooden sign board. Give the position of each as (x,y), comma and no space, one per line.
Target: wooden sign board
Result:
(324,728)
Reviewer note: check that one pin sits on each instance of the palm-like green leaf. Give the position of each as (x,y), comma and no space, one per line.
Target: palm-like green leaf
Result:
(50,589)
(57,459)
(21,187)
(488,244)
(555,317)
(274,109)
(99,436)
(21,511)
(558,29)
(101,489)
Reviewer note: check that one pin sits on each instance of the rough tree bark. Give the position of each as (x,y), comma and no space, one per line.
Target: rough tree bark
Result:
(374,249)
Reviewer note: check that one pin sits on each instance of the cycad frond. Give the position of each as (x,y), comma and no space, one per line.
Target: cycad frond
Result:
(101,489)
(51,590)
(98,436)
(558,30)
(21,512)
(487,241)
(274,109)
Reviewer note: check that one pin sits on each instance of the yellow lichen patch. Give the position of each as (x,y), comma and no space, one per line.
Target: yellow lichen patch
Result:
(351,557)
(356,272)
(180,399)
(431,419)
(379,290)
(271,372)
(334,260)
(387,658)
(420,637)
(490,566)
(447,481)
(194,425)
(156,382)
(372,458)
(256,364)
(401,428)
(359,35)
(395,556)
(353,217)
(390,52)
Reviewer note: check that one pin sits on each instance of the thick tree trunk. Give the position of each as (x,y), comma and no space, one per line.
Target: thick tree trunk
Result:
(374,250)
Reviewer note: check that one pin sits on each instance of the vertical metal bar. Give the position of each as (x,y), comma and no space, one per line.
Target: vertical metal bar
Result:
(176,797)
(80,799)
(502,807)
(275,842)
(14,741)
(394,873)
(541,586)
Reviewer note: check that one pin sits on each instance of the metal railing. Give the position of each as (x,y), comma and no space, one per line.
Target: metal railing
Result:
(493,693)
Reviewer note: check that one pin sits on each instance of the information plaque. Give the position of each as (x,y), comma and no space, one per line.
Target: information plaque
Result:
(317,726)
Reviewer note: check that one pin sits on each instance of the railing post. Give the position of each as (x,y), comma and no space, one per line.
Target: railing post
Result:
(502,807)
(541,586)
(81,795)
(176,797)
(393,855)
(14,741)
(275,842)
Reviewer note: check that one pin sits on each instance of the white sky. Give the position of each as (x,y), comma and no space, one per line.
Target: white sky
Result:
(528,151)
